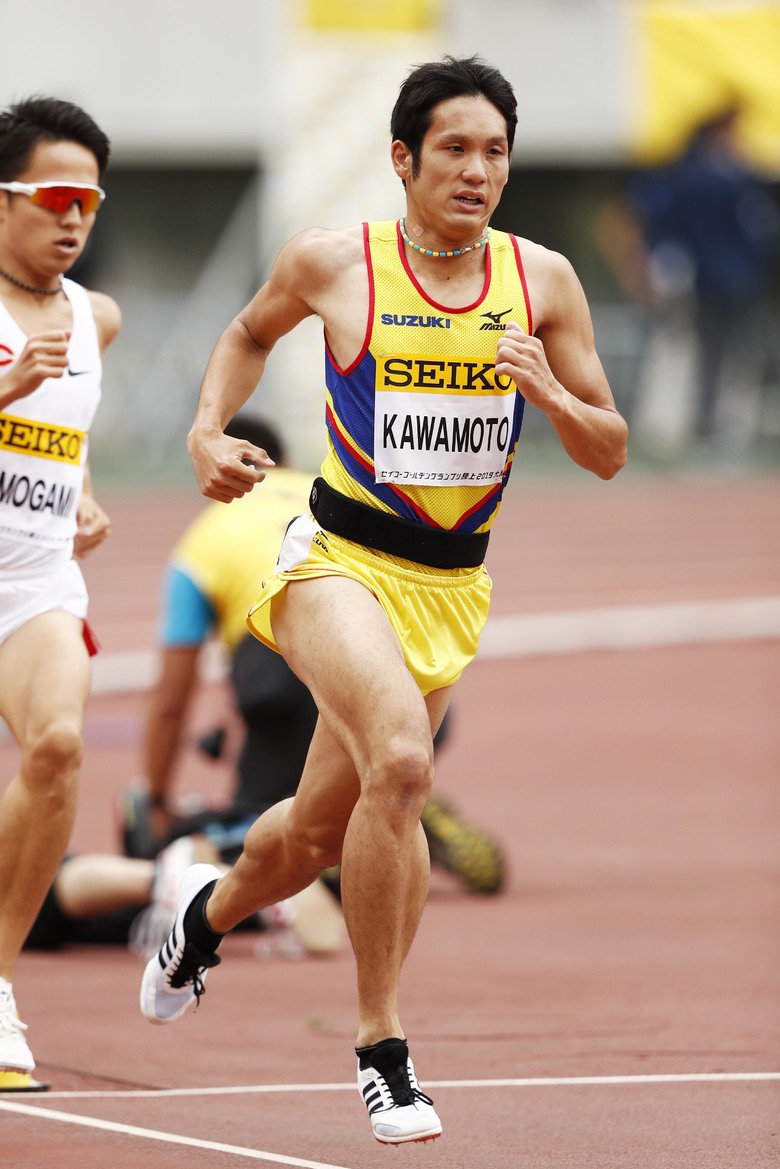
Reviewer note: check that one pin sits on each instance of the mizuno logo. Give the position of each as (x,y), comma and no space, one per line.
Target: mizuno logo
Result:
(494,319)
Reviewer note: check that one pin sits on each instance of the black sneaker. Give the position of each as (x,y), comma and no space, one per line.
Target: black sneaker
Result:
(174,977)
(461,848)
(399,1111)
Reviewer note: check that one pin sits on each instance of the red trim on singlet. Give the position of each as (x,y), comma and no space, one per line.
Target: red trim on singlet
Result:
(443,307)
(368,465)
(356,453)
(429,521)
(521,273)
(480,503)
(369,321)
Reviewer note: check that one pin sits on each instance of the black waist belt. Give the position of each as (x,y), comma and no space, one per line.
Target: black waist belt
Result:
(366,525)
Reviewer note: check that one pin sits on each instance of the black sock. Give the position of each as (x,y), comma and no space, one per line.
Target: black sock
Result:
(196,927)
(388,1052)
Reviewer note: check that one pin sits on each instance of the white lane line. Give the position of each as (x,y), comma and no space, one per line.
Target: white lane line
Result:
(577,1081)
(533,1082)
(527,635)
(631,627)
(8,1105)
(131,670)
(166,1137)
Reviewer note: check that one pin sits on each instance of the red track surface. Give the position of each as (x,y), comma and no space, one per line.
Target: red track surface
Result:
(636,794)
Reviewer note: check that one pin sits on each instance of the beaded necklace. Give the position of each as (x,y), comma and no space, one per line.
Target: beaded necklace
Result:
(29,287)
(481,243)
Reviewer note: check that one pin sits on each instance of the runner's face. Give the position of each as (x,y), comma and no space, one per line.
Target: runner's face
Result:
(34,240)
(464,167)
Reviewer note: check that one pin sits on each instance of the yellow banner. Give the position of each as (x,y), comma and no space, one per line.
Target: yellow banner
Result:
(697,58)
(372,15)
(405,373)
(21,436)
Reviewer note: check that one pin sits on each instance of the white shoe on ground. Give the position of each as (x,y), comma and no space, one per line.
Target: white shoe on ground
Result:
(15,1055)
(174,977)
(399,1111)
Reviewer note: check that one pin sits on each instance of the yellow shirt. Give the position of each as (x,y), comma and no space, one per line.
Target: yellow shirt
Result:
(419,424)
(229,548)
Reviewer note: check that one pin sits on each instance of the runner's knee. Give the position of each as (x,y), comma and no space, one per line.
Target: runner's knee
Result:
(401,776)
(52,757)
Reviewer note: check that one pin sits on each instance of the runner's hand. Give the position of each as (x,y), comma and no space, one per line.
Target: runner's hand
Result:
(226,468)
(44,355)
(522,358)
(93,526)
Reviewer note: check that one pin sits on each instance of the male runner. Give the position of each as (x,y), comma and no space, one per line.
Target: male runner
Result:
(52,334)
(437,331)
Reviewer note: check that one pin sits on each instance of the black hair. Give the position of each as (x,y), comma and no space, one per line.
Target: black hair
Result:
(258,432)
(438,81)
(27,123)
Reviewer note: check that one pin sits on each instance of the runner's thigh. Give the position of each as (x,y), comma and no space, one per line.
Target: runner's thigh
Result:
(44,672)
(338,639)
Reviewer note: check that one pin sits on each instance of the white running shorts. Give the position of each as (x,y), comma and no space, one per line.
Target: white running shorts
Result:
(25,597)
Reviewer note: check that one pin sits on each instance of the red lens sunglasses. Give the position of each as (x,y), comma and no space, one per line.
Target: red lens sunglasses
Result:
(59,197)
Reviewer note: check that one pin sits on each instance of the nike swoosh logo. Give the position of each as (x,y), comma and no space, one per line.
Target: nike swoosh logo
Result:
(78,372)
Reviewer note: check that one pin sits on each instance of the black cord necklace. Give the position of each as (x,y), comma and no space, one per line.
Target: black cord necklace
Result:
(29,287)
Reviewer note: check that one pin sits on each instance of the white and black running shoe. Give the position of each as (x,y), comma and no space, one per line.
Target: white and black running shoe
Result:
(399,1111)
(174,977)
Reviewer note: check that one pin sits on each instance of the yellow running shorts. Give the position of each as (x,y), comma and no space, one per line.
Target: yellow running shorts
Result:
(437,615)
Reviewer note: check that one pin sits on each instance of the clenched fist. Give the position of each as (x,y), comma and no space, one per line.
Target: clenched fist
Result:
(522,358)
(93,526)
(44,355)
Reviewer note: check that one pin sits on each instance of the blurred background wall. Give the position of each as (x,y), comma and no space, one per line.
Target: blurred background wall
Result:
(236,124)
